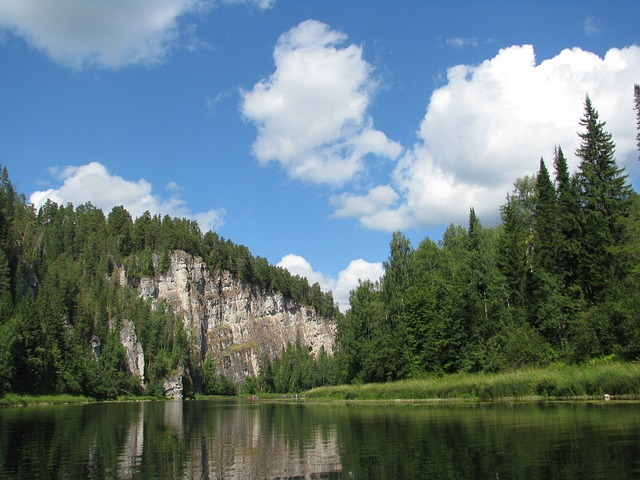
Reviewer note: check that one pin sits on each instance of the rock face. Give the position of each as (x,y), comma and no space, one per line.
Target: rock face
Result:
(173,387)
(232,321)
(132,349)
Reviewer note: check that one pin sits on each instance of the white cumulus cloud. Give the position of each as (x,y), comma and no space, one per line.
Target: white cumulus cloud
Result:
(357,270)
(311,113)
(490,124)
(93,183)
(106,33)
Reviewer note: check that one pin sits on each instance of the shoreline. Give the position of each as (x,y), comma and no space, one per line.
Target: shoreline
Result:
(54,400)
(594,382)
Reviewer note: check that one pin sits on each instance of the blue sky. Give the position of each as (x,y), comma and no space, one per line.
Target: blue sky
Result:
(307,130)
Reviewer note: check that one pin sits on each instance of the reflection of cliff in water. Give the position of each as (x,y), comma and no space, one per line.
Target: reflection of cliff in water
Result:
(131,456)
(260,441)
(211,440)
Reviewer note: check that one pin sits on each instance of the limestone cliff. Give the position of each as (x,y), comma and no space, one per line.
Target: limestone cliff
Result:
(132,349)
(234,322)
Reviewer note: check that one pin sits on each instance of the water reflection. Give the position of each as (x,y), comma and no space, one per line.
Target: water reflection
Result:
(241,439)
(131,456)
(261,441)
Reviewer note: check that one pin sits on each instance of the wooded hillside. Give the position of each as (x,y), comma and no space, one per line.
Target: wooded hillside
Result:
(61,301)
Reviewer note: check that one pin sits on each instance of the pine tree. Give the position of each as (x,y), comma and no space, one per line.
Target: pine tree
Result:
(512,258)
(604,199)
(391,346)
(636,106)
(485,293)
(544,221)
(397,272)
(567,219)
(547,303)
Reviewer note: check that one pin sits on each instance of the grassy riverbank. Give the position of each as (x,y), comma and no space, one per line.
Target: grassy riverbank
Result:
(15,400)
(559,381)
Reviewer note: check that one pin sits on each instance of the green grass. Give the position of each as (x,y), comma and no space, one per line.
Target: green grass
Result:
(139,398)
(13,399)
(16,400)
(592,380)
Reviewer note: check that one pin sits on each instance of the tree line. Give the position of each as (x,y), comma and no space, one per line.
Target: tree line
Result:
(556,281)
(61,302)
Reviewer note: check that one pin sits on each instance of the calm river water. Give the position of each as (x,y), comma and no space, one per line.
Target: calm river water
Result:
(251,440)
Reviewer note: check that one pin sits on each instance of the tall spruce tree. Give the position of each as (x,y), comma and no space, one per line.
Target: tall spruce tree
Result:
(512,259)
(567,218)
(484,296)
(395,283)
(636,106)
(544,221)
(547,301)
(604,199)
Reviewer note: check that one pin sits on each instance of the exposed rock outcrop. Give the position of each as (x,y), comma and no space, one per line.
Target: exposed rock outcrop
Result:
(132,350)
(232,321)
(173,386)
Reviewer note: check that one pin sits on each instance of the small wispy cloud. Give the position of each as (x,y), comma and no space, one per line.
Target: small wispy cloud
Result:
(213,100)
(461,42)
(191,41)
(261,4)
(592,26)
(173,186)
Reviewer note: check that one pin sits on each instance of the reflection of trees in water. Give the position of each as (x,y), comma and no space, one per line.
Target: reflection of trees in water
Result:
(238,439)
(262,441)
(490,441)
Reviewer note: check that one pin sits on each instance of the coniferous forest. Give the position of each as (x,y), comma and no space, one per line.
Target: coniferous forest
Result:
(556,281)
(61,302)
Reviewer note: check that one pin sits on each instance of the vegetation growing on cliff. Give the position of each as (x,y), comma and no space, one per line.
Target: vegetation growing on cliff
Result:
(61,300)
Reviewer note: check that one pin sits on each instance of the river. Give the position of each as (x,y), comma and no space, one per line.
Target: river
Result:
(242,439)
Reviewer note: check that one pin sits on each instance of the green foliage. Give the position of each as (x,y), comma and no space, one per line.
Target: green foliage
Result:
(221,254)
(294,371)
(636,106)
(60,290)
(557,280)
(214,384)
(604,200)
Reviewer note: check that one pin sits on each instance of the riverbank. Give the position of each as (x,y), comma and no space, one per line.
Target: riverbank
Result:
(596,380)
(17,400)
(604,381)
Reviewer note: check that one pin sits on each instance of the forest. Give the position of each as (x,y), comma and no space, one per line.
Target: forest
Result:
(61,301)
(556,281)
